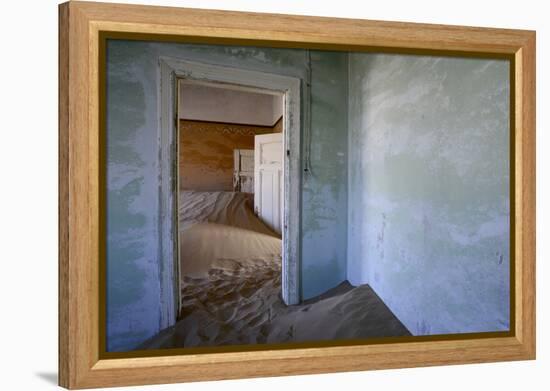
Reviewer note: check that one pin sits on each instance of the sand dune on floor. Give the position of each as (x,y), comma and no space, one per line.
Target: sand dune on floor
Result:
(227,208)
(238,306)
(220,230)
(230,266)
(207,246)
(346,313)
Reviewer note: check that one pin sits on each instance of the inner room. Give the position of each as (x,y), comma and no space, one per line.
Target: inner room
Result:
(230,209)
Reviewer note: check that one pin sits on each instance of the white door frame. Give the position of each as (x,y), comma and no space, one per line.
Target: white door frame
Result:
(172,69)
(259,169)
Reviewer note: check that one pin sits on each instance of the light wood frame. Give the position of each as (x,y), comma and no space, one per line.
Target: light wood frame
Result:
(81,364)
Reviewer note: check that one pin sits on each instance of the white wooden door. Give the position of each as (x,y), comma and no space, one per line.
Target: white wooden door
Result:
(243,171)
(268,180)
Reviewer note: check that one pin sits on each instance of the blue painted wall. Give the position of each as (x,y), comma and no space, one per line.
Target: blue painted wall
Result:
(324,195)
(133,166)
(417,147)
(429,206)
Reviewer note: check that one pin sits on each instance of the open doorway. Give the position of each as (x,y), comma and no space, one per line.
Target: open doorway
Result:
(171,72)
(230,201)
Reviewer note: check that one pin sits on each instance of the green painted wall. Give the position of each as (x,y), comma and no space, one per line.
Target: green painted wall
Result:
(133,168)
(324,196)
(429,207)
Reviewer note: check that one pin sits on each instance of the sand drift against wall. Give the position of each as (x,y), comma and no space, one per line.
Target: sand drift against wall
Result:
(231,286)
(227,208)
(221,226)
(240,303)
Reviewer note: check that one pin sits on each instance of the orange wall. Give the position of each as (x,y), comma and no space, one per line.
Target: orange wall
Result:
(206,153)
(278,127)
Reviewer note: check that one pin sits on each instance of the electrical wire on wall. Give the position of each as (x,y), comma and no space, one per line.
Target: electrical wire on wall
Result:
(307,117)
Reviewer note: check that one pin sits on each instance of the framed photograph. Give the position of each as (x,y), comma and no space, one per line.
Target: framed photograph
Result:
(247,195)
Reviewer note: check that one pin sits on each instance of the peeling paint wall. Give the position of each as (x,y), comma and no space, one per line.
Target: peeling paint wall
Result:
(429,189)
(133,167)
(324,196)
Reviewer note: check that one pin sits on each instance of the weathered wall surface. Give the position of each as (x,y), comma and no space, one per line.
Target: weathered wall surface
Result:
(133,167)
(324,196)
(206,153)
(429,189)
